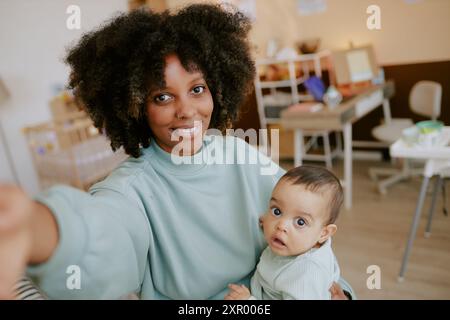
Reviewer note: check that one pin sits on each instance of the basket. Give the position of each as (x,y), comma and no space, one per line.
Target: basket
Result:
(72,152)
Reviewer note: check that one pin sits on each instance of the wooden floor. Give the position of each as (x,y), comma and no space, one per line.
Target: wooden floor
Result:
(374,232)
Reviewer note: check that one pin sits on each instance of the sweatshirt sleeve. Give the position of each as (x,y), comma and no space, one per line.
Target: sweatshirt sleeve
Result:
(102,248)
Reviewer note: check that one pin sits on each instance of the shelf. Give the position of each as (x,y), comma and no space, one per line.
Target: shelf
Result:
(298,58)
(280,83)
(302,97)
(303,65)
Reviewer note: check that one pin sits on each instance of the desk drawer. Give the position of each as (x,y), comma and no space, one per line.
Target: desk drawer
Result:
(369,103)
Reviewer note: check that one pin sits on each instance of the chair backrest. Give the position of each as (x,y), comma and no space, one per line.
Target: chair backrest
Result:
(425,99)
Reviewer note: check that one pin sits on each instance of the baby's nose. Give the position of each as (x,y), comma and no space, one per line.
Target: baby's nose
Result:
(282,225)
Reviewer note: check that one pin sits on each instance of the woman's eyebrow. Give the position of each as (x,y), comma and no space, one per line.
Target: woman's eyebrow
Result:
(158,90)
(200,77)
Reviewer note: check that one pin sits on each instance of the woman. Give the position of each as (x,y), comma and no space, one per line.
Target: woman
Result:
(157,226)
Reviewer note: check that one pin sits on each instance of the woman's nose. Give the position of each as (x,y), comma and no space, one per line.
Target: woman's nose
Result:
(185,109)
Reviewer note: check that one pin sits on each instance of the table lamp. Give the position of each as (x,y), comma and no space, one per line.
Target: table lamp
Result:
(4,95)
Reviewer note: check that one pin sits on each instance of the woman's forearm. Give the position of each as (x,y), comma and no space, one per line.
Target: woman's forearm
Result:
(44,234)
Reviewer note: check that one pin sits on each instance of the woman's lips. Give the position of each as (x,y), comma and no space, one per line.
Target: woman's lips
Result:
(187,131)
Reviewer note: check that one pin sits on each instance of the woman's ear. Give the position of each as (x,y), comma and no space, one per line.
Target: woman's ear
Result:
(261,221)
(327,232)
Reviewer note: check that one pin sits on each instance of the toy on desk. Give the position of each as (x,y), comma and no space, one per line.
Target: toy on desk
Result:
(410,136)
(424,134)
(332,97)
(315,87)
(430,132)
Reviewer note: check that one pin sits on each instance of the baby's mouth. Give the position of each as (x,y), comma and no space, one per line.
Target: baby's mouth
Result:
(277,242)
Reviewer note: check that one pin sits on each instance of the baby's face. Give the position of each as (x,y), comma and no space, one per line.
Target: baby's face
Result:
(296,219)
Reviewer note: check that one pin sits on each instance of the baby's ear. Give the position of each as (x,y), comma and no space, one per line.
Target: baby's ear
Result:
(327,232)
(261,221)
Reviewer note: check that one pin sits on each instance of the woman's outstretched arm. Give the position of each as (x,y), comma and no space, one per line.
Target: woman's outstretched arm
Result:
(102,236)
(28,235)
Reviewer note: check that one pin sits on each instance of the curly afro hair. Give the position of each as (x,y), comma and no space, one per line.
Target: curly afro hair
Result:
(114,68)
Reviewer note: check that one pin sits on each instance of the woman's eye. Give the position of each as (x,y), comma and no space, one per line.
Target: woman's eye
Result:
(300,222)
(276,212)
(198,89)
(162,98)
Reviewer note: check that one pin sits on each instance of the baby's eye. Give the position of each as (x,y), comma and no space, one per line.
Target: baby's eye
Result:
(276,212)
(162,98)
(198,89)
(300,222)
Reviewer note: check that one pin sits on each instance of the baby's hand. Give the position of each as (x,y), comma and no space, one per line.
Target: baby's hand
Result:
(238,292)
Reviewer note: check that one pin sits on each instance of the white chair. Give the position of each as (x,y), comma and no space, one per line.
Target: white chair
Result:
(425,100)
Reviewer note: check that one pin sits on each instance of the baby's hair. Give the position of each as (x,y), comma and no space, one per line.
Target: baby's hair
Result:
(317,179)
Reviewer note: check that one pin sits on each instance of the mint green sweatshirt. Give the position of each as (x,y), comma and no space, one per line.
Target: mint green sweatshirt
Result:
(162,229)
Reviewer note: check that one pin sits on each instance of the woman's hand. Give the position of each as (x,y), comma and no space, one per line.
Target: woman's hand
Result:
(15,237)
(337,293)
(28,235)
(238,292)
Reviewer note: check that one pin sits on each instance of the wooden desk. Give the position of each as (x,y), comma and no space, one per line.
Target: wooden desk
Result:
(339,118)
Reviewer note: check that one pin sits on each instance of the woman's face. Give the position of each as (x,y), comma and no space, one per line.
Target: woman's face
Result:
(180,112)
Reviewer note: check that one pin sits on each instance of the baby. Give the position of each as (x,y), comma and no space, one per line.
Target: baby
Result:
(298,262)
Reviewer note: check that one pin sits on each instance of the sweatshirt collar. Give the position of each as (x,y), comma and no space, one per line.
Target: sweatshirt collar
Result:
(178,165)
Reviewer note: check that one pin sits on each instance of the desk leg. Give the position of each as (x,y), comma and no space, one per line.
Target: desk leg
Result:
(298,147)
(413,230)
(348,165)
(437,189)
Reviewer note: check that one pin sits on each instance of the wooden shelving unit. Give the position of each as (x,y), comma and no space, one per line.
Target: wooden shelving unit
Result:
(284,92)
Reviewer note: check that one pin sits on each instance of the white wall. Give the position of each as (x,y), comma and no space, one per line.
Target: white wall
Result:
(6,173)
(33,38)
(410,33)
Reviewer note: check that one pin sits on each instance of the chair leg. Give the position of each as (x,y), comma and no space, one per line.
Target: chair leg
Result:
(375,172)
(326,156)
(327,150)
(414,225)
(383,185)
(444,197)
(339,143)
(315,142)
(437,187)
(396,175)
